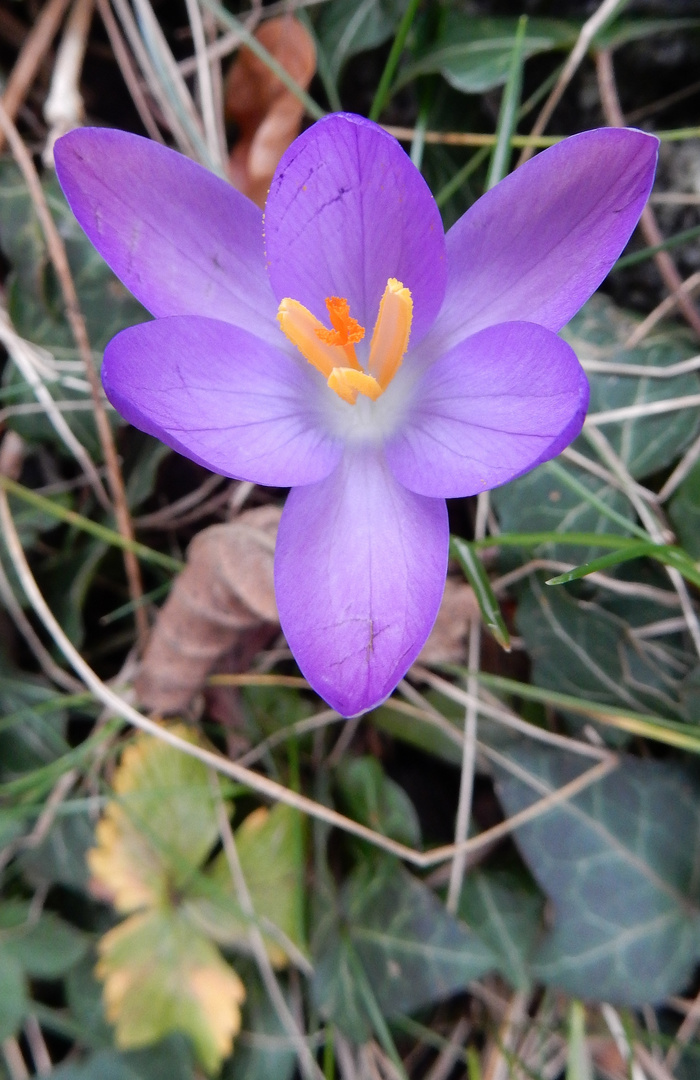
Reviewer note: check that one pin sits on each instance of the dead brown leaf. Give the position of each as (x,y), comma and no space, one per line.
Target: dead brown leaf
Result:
(223,599)
(267,114)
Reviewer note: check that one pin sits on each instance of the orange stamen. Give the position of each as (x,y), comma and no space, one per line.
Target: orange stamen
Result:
(347,382)
(301,327)
(332,352)
(391,332)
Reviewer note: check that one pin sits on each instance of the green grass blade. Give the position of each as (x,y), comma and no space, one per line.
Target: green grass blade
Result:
(101,532)
(663,553)
(380,98)
(648,252)
(477,577)
(508,115)
(646,725)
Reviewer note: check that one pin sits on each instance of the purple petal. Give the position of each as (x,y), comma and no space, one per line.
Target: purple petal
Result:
(347,210)
(537,245)
(500,403)
(359,574)
(222,397)
(183,241)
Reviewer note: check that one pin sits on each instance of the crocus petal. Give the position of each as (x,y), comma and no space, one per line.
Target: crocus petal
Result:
(222,397)
(538,244)
(183,241)
(348,210)
(359,573)
(503,401)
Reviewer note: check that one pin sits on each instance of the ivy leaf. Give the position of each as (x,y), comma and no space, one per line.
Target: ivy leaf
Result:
(505,909)
(684,509)
(377,801)
(542,500)
(580,647)
(267,1054)
(160,977)
(45,949)
(474,54)
(620,864)
(169,1060)
(271,853)
(35,302)
(345,29)
(650,443)
(157,831)
(36,306)
(412,952)
(13,994)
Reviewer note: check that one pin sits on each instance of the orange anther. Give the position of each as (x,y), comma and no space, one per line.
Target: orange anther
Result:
(347,383)
(332,352)
(391,332)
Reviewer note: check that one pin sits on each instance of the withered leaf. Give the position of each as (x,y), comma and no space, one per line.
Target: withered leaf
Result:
(161,972)
(223,598)
(159,827)
(268,115)
(162,976)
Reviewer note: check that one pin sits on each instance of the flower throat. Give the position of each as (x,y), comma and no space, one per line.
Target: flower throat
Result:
(332,351)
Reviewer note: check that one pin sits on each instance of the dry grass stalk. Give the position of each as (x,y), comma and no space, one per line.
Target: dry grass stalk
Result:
(31,54)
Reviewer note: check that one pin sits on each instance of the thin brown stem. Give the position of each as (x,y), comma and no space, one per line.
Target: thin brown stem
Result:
(30,57)
(128,70)
(588,31)
(614,116)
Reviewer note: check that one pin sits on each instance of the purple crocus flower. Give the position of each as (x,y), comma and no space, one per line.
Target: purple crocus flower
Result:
(345,347)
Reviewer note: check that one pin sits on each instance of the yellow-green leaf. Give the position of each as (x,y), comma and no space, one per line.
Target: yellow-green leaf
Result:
(159,828)
(270,849)
(161,976)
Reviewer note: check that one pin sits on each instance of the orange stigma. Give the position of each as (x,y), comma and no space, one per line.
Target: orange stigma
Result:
(332,352)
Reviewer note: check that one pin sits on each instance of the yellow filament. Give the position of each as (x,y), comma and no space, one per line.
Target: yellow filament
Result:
(391,332)
(347,382)
(301,327)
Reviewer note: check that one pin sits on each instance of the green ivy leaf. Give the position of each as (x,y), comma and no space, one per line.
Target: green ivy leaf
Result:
(684,509)
(47,948)
(541,500)
(623,31)
(263,1048)
(619,862)
(36,306)
(473,54)
(345,29)
(584,648)
(169,1060)
(411,950)
(377,801)
(505,909)
(13,994)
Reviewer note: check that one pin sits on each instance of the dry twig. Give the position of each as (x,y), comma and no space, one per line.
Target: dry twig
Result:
(652,234)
